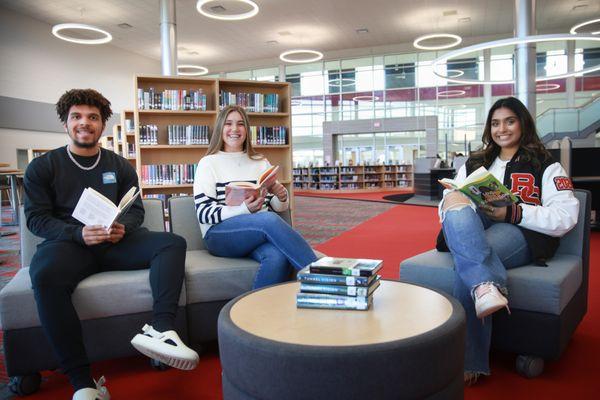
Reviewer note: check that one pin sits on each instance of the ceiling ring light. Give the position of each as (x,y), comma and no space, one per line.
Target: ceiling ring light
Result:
(317,55)
(365,98)
(457,73)
(231,17)
(592,21)
(200,70)
(437,63)
(340,82)
(547,86)
(457,40)
(451,93)
(60,27)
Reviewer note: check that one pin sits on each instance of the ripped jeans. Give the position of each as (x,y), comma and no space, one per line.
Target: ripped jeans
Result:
(482,250)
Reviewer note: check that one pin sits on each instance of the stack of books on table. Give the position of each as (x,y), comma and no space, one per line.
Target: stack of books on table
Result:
(339,283)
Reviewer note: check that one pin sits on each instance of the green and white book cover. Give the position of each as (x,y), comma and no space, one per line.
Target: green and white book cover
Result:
(483,188)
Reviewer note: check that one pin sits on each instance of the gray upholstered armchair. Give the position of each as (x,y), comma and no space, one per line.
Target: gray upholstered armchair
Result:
(547,303)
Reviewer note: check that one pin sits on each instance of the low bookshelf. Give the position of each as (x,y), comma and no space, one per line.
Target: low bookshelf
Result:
(174,117)
(353,178)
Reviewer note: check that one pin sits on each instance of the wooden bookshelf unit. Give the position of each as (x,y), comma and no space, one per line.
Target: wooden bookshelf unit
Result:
(354,178)
(164,115)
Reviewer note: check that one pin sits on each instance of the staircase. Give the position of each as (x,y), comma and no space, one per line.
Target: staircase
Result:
(576,123)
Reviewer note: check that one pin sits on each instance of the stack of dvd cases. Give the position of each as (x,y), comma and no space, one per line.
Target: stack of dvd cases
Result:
(339,283)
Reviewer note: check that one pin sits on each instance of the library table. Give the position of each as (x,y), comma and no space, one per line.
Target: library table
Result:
(13,175)
(410,345)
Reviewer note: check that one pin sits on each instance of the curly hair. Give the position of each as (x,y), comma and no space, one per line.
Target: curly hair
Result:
(531,147)
(88,97)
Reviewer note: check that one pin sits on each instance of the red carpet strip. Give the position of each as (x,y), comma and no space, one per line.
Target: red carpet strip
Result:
(367,196)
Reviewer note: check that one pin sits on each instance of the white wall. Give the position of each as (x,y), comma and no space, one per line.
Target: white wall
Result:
(13,139)
(34,65)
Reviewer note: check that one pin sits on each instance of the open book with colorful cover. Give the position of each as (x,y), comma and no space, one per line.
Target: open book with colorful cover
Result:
(93,208)
(237,192)
(483,188)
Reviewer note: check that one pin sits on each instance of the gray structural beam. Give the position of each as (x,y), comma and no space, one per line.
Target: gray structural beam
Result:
(525,57)
(168,37)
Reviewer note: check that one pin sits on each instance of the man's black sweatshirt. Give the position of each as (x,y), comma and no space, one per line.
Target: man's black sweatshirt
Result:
(53,185)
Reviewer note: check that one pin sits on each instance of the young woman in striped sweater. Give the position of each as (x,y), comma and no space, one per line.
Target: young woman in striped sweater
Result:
(249,229)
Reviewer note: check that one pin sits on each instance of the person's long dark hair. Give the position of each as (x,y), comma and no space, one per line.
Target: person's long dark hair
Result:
(531,147)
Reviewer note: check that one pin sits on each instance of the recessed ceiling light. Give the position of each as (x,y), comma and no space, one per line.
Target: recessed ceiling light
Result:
(216,11)
(195,70)
(417,43)
(272,42)
(464,20)
(60,27)
(449,13)
(284,33)
(579,7)
(125,25)
(193,53)
(361,31)
(316,56)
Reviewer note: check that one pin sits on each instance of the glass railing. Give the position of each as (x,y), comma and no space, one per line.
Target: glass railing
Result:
(563,120)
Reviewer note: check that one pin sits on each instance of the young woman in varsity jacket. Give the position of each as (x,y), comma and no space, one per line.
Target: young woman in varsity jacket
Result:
(484,242)
(246,230)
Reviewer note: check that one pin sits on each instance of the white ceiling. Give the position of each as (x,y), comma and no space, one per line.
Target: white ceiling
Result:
(324,25)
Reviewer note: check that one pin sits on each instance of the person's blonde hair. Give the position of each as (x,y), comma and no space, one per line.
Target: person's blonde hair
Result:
(216,140)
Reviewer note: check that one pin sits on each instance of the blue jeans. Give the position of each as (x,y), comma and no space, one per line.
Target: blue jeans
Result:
(482,250)
(266,238)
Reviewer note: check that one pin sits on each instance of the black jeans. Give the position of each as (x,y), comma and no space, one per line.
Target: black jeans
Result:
(58,266)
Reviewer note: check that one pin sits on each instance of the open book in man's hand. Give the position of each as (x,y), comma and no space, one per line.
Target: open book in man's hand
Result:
(237,192)
(93,208)
(483,188)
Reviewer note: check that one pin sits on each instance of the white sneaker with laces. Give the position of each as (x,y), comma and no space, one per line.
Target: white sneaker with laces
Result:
(166,347)
(100,393)
(488,300)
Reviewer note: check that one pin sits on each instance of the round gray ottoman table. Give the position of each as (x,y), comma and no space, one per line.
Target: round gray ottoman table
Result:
(410,345)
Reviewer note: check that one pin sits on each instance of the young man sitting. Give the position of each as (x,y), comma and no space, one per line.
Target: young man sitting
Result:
(71,251)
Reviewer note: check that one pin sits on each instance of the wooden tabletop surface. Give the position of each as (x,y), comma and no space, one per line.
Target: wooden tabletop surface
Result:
(399,311)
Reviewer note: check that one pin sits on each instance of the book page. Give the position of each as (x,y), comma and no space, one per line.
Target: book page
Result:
(128,198)
(267,179)
(94,210)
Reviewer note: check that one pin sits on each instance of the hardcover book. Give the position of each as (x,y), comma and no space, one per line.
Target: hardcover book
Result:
(237,192)
(483,188)
(346,266)
(304,275)
(318,300)
(351,291)
(93,208)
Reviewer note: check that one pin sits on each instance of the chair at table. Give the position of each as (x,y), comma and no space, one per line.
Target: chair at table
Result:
(547,303)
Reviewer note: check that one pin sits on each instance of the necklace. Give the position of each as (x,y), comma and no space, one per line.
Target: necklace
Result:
(81,166)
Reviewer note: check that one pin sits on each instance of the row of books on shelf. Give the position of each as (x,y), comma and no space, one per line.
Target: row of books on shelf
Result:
(268,135)
(130,151)
(168,174)
(252,102)
(176,134)
(172,99)
(339,283)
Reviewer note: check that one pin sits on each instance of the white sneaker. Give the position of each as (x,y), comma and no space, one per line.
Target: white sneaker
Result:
(100,393)
(488,300)
(165,347)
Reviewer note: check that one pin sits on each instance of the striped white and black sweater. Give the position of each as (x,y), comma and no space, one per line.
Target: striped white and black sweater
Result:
(217,170)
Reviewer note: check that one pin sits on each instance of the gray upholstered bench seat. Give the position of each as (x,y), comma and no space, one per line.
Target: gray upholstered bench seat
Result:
(102,295)
(532,288)
(210,278)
